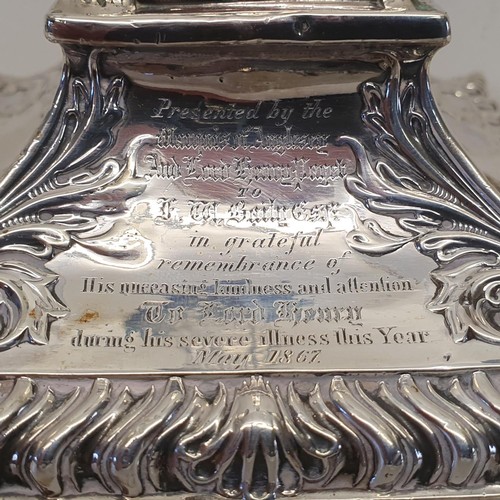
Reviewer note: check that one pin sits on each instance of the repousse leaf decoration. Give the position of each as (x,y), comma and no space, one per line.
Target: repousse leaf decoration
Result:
(27,304)
(409,169)
(56,194)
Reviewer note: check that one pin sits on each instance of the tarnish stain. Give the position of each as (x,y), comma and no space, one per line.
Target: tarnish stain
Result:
(89,316)
(35,314)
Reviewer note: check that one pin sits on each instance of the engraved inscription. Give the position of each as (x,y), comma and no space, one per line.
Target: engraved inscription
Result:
(292,172)
(248,216)
(245,286)
(268,348)
(289,311)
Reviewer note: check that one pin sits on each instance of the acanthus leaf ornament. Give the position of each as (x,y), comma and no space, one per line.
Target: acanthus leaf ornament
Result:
(54,195)
(27,303)
(260,430)
(411,170)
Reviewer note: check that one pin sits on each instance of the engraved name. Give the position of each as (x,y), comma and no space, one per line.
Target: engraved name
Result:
(252,138)
(244,170)
(241,212)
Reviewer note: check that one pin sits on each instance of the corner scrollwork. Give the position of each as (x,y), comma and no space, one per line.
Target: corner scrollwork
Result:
(54,195)
(410,169)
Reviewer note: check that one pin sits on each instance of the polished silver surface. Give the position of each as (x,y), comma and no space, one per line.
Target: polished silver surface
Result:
(244,257)
(220,236)
(156,23)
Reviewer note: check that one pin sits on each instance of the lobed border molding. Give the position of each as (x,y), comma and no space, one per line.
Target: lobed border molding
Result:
(250,437)
(259,437)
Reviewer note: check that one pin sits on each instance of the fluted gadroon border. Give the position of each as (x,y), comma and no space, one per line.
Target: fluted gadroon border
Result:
(250,437)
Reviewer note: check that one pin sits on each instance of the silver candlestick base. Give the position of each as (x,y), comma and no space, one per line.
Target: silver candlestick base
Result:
(244,258)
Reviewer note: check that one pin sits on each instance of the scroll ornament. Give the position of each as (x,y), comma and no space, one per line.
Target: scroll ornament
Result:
(54,195)
(411,170)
